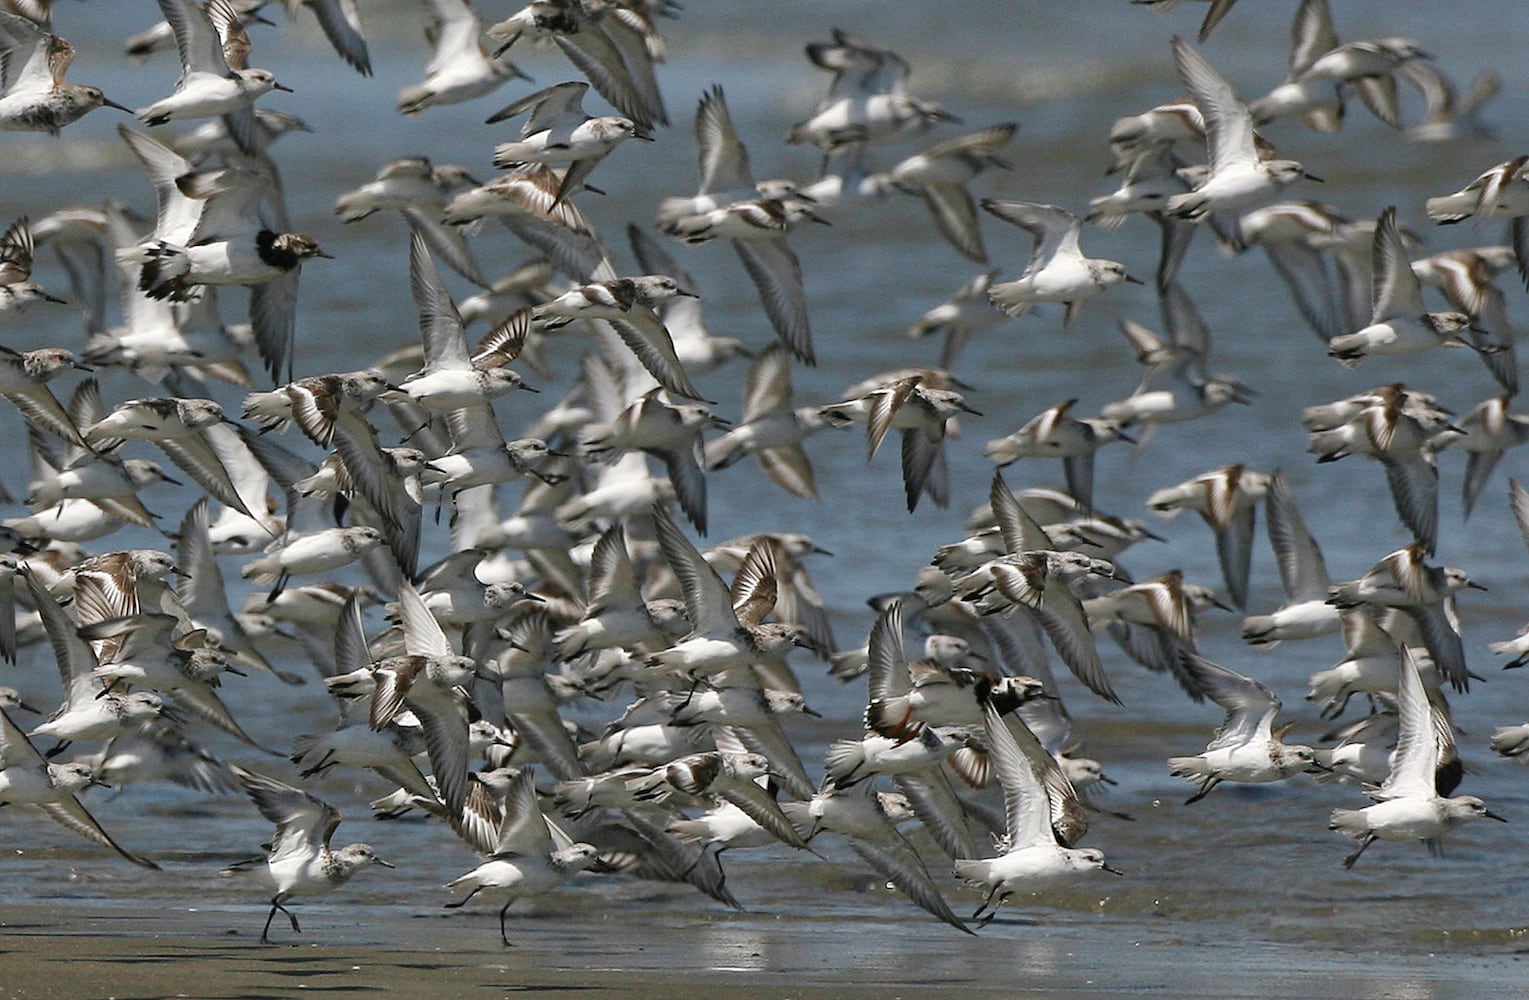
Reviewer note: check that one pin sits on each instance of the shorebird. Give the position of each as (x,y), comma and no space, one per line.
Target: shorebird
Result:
(1057,271)
(1245,747)
(38,99)
(26,778)
(1409,804)
(1033,858)
(300,861)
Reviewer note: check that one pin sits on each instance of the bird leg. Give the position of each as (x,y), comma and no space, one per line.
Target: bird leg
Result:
(503,935)
(1210,782)
(463,901)
(265,932)
(1369,838)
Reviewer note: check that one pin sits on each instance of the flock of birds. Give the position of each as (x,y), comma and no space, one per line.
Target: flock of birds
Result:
(570,581)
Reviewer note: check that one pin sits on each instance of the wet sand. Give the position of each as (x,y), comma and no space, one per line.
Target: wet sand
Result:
(54,952)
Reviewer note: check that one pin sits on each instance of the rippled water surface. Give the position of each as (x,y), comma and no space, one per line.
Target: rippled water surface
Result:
(1251,877)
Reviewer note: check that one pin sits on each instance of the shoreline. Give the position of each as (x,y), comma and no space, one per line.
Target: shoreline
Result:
(52,951)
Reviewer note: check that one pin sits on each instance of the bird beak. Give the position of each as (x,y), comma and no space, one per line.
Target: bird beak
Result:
(809,710)
(1112,870)
(282,87)
(1221,604)
(1489,814)
(109,103)
(501,50)
(319,253)
(83,367)
(171,480)
(643,134)
(1135,281)
(1313,177)
(1106,779)
(54,298)
(385,864)
(1474,585)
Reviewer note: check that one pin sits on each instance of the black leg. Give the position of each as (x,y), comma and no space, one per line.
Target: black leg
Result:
(503,935)
(1210,783)
(464,899)
(1369,838)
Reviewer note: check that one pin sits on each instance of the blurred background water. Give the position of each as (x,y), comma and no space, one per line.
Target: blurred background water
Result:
(1245,865)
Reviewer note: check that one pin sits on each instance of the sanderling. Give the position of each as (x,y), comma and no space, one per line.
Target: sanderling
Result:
(1302,573)
(1246,747)
(560,131)
(868,100)
(1034,857)
(1241,176)
(38,99)
(772,428)
(530,856)
(1057,270)
(460,68)
(27,779)
(940,174)
(1409,805)
(210,84)
(299,862)
(1055,433)
(1227,498)
(1447,118)
(610,45)
(1399,323)
(922,407)
(17,289)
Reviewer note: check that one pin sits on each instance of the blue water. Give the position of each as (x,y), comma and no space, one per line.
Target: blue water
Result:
(1242,865)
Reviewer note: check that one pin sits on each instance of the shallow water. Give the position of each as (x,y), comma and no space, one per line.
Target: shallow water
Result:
(1249,877)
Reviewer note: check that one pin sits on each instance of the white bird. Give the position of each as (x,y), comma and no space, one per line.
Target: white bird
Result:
(1302,572)
(300,862)
(963,314)
(869,99)
(460,67)
(208,85)
(531,855)
(729,204)
(1227,498)
(1240,176)
(560,131)
(1500,192)
(88,712)
(38,99)
(1033,859)
(772,429)
(26,778)
(1055,433)
(17,289)
(1245,748)
(1057,270)
(1408,804)
(1399,322)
